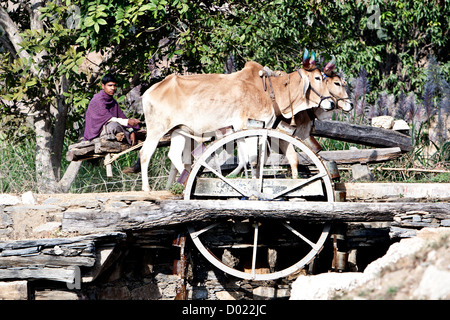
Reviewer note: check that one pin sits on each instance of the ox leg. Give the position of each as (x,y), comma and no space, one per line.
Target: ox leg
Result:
(252,148)
(177,146)
(146,153)
(304,125)
(291,156)
(242,157)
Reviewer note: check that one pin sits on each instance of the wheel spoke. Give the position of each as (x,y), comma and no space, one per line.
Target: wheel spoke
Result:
(227,181)
(196,234)
(255,248)
(316,184)
(299,185)
(262,156)
(298,234)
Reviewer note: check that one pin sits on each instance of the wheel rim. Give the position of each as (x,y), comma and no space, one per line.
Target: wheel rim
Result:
(256,189)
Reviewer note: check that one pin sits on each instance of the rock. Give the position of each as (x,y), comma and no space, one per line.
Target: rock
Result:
(229,259)
(445,223)
(361,172)
(13,290)
(147,292)
(48,227)
(385,122)
(435,285)
(227,295)
(29,198)
(9,200)
(263,293)
(114,293)
(55,295)
(324,286)
(400,125)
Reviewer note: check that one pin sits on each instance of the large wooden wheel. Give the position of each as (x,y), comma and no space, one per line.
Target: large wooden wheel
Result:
(258,248)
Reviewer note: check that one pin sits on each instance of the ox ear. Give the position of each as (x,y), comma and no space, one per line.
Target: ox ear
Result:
(305,80)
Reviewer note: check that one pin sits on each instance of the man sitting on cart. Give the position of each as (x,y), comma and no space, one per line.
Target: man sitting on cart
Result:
(104,116)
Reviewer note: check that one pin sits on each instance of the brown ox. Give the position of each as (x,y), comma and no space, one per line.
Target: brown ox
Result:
(336,87)
(204,103)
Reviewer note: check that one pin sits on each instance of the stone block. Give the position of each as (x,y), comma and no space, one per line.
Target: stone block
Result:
(229,295)
(9,200)
(13,290)
(263,293)
(385,122)
(401,125)
(445,223)
(361,172)
(29,198)
(55,295)
(147,292)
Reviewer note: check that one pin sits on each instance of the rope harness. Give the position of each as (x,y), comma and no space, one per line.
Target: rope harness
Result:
(275,106)
(315,91)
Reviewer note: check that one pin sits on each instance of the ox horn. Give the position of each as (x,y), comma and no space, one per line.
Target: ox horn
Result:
(305,61)
(329,68)
(312,61)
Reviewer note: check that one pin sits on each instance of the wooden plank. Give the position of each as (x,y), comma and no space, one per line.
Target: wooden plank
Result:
(51,242)
(176,212)
(54,274)
(343,156)
(365,135)
(46,260)
(380,191)
(362,155)
(18,252)
(76,154)
(213,187)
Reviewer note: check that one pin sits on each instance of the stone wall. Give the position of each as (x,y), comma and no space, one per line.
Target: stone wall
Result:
(40,260)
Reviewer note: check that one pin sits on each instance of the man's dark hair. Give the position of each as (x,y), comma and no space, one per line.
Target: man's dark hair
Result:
(109,78)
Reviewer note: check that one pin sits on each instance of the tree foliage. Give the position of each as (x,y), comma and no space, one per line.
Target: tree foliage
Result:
(44,47)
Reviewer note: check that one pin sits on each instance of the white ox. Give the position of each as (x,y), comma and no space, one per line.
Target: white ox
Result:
(197,104)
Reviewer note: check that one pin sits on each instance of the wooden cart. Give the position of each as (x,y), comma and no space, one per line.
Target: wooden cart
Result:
(258,248)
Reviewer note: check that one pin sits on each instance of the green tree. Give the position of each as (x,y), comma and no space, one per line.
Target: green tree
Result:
(44,44)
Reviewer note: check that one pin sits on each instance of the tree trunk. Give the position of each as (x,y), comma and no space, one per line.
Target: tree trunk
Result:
(45,175)
(60,126)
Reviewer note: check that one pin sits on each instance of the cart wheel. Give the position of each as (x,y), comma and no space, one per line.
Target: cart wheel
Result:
(258,249)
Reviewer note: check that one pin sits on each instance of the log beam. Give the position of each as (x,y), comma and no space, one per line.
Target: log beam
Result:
(365,135)
(178,212)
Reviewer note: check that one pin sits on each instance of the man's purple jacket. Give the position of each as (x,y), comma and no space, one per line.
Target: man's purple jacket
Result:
(101,108)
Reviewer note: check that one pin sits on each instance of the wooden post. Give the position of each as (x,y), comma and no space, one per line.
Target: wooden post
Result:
(180,267)
(109,173)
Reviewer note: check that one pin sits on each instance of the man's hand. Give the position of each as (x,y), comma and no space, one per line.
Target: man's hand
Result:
(133,122)
(133,138)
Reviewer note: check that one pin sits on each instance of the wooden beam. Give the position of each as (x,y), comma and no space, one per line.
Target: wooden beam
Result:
(44,259)
(54,274)
(343,156)
(51,242)
(395,191)
(177,212)
(365,135)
